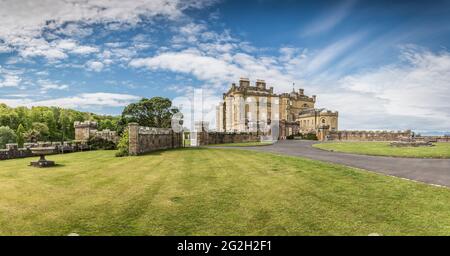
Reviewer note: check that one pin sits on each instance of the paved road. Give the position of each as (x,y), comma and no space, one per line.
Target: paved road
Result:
(432,171)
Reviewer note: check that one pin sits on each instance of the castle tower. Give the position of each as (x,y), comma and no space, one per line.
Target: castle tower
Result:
(84,130)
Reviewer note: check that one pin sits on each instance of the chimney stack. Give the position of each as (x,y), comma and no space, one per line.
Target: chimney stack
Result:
(244,82)
(261,84)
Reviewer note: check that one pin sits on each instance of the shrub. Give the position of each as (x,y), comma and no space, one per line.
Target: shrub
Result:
(100,143)
(20,138)
(310,136)
(123,144)
(7,135)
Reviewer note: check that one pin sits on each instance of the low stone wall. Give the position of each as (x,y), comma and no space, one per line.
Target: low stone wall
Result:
(366,135)
(12,150)
(201,136)
(224,137)
(433,138)
(146,139)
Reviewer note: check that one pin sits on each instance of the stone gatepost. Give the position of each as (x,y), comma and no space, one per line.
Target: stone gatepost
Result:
(133,139)
(199,136)
(322,132)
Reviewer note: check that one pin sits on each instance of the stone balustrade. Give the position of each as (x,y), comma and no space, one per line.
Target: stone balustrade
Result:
(13,151)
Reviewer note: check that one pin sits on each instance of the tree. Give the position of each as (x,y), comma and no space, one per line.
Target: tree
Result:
(32,136)
(107,124)
(154,112)
(42,129)
(7,135)
(19,133)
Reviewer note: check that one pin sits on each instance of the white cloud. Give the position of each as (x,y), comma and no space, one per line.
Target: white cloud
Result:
(9,78)
(85,100)
(221,69)
(191,62)
(95,66)
(73,47)
(23,22)
(75,30)
(5,48)
(47,85)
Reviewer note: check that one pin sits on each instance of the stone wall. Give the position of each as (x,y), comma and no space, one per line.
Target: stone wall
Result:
(146,139)
(201,136)
(433,138)
(224,137)
(324,134)
(12,150)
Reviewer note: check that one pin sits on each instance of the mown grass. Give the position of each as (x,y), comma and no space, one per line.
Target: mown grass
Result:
(212,192)
(439,150)
(243,144)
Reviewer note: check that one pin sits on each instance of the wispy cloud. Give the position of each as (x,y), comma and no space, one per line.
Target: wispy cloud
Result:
(10,78)
(329,20)
(46,85)
(331,52)
(85,100)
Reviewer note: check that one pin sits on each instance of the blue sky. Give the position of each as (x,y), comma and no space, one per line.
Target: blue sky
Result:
(381,64)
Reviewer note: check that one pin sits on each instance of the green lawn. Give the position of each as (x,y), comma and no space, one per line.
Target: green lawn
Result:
(243,144)
(439,150)
(212,192)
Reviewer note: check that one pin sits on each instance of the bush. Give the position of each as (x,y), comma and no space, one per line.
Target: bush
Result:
(310,136)
(123,145)
(290,137)
(100,143)
(7,135)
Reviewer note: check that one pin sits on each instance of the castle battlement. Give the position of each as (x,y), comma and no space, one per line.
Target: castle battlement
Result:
(91,124)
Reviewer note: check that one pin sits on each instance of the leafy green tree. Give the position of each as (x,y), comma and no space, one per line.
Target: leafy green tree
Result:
(32,136)
(7,135)
(43,130)
(20,135)
(154,112)
(107,124)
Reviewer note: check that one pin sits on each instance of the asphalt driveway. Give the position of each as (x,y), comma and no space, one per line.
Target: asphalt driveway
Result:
(432,171)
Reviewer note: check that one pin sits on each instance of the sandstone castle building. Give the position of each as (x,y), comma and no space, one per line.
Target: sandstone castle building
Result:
(247,108)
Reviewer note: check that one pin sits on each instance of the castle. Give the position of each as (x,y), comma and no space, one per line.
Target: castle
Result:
(247,108)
